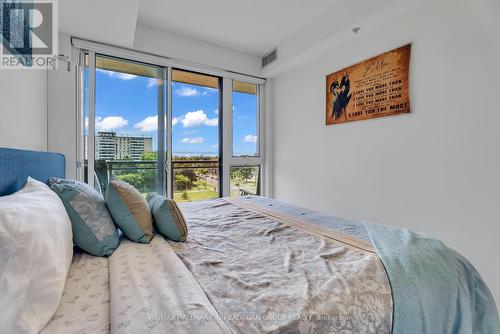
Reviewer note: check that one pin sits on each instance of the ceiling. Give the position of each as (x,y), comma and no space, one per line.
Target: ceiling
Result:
(251,26)
(302,29)
(110,21)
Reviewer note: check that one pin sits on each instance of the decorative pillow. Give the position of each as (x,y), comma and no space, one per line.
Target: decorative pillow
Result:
(97,184)
(35,256)
(168,219)
(130,211)
(93,228)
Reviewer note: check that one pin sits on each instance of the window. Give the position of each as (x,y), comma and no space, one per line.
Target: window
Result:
(195,136)
(188,135)
(125,122)
(244,180)
(246,161)
(245,120)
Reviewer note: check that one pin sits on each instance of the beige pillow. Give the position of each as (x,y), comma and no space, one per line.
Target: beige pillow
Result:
(130,211)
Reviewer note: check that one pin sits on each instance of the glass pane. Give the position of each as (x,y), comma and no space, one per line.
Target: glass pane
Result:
(195,180)
(195,136)
(126,122)
(244,180)
(245,119)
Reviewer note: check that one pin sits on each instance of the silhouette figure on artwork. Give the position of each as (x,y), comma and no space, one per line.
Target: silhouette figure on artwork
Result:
(340,96)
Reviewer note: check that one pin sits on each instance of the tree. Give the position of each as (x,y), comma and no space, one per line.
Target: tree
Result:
(137,180)
(149,156)
(237,176)
(149,174)
(246,173)
(191,175)
(204,173)
(181,179)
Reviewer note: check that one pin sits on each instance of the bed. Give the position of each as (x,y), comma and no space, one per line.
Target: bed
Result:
(257,265)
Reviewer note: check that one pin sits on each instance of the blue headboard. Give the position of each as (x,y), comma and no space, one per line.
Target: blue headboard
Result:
(17,165)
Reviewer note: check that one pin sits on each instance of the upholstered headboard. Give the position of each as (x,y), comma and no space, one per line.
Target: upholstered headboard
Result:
(17,165)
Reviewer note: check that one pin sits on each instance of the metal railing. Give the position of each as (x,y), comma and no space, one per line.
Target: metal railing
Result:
(178,164)
(143,174)
(129,165)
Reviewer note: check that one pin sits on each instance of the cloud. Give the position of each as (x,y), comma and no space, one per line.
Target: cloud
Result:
(216,111)
(250,139)
(148,124)
(118,75)
(197,118)
(208,90)
(212,122)
(195,140)
(187,91)
(124,76)
(110,123)
(152,82)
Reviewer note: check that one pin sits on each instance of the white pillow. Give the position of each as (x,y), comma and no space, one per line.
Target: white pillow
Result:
(36,249)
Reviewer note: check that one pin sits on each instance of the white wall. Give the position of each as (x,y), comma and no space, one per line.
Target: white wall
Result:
(61,99)
(23,109)
(269,119)
(435,170)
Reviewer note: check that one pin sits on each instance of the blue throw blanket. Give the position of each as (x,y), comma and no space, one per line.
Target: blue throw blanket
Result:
(435,290)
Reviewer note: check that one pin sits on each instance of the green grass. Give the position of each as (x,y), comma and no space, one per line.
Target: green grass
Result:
(195,195)
(248,185)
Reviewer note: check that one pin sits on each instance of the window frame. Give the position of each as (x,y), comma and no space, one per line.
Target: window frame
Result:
(227,160)
(241,161)
(91,57)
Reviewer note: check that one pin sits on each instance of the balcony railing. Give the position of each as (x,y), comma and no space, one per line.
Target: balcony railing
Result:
(192,179)
(142,174)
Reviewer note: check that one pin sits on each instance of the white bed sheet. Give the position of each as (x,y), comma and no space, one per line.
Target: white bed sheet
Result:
(84,306)
(152,291)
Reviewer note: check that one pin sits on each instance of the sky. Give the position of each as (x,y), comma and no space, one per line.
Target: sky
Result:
(127,104)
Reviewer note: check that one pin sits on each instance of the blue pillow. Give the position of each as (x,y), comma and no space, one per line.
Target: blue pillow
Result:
(167,217)
(92,225)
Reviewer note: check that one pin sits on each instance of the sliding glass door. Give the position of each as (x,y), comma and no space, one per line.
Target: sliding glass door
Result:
(187,135)
(127,142)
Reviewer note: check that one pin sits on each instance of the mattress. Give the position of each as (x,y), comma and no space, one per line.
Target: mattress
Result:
(240,271)
(256,265)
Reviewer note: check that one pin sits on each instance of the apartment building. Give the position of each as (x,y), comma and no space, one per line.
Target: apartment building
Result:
(110,146)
